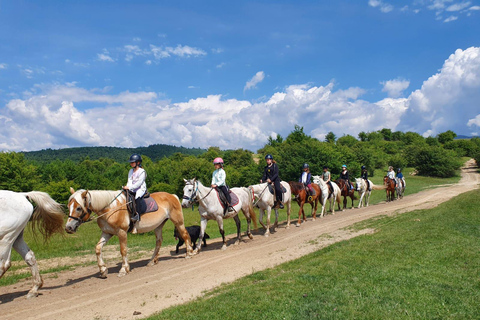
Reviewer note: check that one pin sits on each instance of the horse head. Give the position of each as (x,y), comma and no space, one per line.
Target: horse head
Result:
(189,192)
(79,209)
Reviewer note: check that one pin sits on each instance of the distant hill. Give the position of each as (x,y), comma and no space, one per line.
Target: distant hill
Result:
(154,152)
(462,137)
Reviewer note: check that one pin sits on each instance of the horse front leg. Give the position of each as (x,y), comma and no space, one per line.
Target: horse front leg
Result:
(260,219)
(203,227)
(222,232)
(122,237)
(22,248)
(360,203)
(275,225)
(314,210)
(267,229)
(237,222)
(98,250)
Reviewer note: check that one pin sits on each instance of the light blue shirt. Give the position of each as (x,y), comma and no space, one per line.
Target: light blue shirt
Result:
(218,177)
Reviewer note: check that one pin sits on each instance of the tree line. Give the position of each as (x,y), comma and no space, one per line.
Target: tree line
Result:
(438,156)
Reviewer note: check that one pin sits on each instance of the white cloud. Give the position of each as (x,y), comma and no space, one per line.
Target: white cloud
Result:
(105,57)
(256,79)
(221,65)
(395,87)
(458,6)
(3,66)
(474,8)
(384,7)
(450,19)
(474,122)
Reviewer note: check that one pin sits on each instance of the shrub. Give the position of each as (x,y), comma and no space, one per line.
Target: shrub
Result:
(436,162)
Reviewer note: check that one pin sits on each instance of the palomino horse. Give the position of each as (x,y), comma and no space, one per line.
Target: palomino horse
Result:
(390,188)
(266,200)
(346,191)
(400,188)
(335,196)
(113,219)
(15,212)
(210,208)
(298,189)
(363,190)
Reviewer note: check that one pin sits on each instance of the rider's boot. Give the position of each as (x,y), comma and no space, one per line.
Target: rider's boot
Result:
(135,219)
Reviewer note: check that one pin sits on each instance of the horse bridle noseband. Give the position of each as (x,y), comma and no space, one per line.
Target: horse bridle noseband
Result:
(194,194)
(84,213)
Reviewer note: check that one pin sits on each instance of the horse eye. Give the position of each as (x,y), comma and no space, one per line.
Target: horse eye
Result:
(78,209)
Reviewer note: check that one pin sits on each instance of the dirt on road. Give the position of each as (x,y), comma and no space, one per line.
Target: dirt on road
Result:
(81,294)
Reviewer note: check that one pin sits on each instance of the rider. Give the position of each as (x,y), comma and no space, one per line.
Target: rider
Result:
(270,175)
(391,174)
(218,180)
(365,176)
(345,175)
(327,178)
(400,176)
(305,178)
(136,186)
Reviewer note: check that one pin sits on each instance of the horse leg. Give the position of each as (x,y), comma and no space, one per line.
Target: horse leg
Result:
(260,219)
(275,225)
(22,248)
(360,203)
(158,244)
(367,198)
(122,237)
(249,222)
(289,209)
(203,227)
(299,222)
(98,250)
(237,222)
(222,232)
(269,212)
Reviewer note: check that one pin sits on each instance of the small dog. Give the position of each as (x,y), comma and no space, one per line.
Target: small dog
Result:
(194,232)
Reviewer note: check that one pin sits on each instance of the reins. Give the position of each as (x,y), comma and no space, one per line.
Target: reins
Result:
(259,196)
(89,211)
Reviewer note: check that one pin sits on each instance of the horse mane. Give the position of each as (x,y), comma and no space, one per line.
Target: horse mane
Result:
(296,186)
(99,199)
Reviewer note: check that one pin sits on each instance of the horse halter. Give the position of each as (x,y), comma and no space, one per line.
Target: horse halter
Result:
(193,195)
(84,214)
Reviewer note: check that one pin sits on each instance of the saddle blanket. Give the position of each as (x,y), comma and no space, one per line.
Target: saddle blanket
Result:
(271,187)
(150,204)
(233,197)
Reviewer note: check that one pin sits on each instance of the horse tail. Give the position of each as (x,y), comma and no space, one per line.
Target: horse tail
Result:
(376,187)
(47,216)
(251,211)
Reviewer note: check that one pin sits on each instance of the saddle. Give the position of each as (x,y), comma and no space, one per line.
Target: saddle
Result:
(271,188)
(147,204)
(330,189)
(224,202)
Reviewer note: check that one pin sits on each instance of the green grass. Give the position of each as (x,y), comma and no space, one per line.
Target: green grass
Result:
(419,265)
(88,234)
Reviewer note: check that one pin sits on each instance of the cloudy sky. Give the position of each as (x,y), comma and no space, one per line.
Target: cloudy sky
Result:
(233,73)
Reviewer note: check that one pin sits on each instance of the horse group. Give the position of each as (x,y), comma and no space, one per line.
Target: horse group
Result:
(109,209)
(393,186)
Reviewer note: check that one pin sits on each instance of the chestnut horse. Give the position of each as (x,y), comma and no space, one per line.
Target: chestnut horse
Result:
(346,191)
(113,219)
(298,189)
(390,190)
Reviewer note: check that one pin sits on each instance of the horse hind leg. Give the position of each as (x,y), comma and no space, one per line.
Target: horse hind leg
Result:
(122,237)
(158,244)
(238,224)
(22,248)
(222,231)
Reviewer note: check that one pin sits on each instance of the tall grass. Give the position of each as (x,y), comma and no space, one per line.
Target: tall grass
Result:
(419,265)
(88,234)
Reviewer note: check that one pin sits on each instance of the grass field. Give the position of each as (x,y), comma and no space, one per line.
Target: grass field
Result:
(84,241)
(419,265)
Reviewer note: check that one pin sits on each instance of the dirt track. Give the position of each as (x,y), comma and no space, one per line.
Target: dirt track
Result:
(80,294)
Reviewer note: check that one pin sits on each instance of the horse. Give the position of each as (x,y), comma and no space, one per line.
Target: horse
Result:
(335,196)
(346,191)
(114,220)
(362,190)
(300,192)
(210,208)
(265,203)
(15,212)
(390,188)
(400,188)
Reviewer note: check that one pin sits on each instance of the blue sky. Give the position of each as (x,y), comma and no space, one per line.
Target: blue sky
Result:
(231,74)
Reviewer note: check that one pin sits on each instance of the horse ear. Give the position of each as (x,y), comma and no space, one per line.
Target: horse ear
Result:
(84,194)
(72,191)
(185,180)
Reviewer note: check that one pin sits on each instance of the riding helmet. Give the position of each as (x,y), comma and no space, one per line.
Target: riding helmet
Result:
(135,158)
(399,170)
(344,166)
(363,167)
(268,156)
(305,166)
(325,167)
(218,161)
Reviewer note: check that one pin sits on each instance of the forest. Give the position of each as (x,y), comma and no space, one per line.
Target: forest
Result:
(438,156)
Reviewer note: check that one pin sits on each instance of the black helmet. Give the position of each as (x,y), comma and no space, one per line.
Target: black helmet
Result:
(305,166)
(135,158)
(268,156)
(399,170)
(363,167)
(325,167)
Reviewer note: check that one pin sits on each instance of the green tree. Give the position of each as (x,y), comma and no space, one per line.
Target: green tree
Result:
(446,136)
(17,174)
(330,137)
(362,136)
(387,134)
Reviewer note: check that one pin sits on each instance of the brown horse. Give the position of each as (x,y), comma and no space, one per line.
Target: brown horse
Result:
(390,184)
(346,192)
(114,219)
(298,189)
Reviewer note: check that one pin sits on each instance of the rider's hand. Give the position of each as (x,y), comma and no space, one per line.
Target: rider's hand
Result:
(125,188)
(269,181)
(214,185)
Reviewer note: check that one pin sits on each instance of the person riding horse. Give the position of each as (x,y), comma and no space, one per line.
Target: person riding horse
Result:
(271,175)
(305,178)
(326,176)
(218,181)
(137,187)
(400,176)
(391,175)
(364,176)
(345,176)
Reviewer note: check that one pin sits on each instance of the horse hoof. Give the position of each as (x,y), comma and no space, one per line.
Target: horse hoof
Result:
(32,295)
(298,225)
(250,236)
(224,247)
(266,235)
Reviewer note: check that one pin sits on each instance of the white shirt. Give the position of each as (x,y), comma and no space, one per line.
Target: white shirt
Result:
(136,182)
(391,174)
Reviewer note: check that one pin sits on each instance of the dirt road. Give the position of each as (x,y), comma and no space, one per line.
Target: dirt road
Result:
(80,294)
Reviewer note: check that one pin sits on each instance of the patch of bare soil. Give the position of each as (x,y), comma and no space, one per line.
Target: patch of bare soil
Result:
(174,280)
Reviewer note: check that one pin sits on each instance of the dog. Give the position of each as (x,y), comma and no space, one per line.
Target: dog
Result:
(194,232)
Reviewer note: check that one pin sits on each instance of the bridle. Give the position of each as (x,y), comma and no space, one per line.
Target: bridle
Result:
(194,194)
(88,212)
(259,196)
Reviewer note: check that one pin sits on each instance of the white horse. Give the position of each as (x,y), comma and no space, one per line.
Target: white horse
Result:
(210,208)
(265,203)
(400,187)
(15,212)
(336,196)
(363,191)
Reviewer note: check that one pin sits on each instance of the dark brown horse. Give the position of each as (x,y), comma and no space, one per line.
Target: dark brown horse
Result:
(346,192)
(298,189)
(390,184)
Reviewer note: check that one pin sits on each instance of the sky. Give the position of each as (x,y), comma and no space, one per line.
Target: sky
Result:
(231,74)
